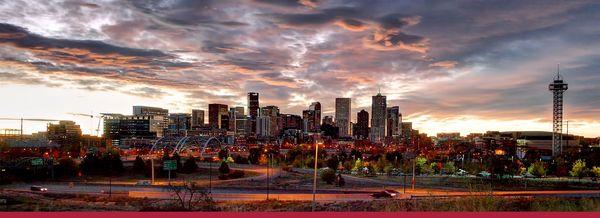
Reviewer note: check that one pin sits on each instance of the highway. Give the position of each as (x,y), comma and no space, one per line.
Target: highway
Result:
(245,194)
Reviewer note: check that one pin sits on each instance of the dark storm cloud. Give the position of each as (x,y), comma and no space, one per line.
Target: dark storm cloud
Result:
(185,12)
(386,30)
(289,3)
(24,39)
(321,17)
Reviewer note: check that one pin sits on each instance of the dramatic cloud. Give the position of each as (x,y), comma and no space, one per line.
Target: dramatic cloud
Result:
(446,64)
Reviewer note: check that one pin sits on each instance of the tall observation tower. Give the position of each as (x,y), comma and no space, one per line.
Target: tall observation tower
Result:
(558,87)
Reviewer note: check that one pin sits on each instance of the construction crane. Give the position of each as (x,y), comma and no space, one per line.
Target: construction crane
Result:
(28,119)
(91,116)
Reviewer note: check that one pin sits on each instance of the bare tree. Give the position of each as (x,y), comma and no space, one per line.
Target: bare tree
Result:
(190,196)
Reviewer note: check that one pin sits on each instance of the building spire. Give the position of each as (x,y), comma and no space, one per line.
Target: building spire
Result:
(558,71)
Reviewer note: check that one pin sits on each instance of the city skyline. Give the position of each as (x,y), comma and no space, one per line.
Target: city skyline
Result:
(296,53)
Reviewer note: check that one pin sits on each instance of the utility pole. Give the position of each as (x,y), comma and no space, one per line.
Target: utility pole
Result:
(413,173)
(210,176)
(110,174)
(314,203)
(152,163)
(268,165)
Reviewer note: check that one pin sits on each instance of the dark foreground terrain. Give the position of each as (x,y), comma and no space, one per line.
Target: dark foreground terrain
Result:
(23,201)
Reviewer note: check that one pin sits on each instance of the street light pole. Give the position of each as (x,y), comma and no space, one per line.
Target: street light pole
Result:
(110,174)
(210,176)
(314,203)
(152,163)
(268,183)
(413,173)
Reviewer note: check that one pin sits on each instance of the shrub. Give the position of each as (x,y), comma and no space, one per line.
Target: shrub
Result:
(537,169)
(236,174)
(190,166)
(223,154)
(224,168)
(332,162)
(596,171)
(328,176)
(138,165)
(449,168)
(66,167)
(579,169)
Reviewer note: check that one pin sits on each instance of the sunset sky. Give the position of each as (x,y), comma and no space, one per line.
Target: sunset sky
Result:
(451,66)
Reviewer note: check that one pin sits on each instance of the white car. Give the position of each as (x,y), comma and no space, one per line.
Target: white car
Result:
(38,188)
(143,182)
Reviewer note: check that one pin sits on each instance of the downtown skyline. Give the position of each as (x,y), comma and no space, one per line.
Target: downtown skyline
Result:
(445,75)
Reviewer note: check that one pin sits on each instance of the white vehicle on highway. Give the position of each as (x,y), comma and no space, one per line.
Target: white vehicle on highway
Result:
(143,182)
(38,188)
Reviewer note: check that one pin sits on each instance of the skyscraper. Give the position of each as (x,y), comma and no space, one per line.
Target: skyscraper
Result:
(179,121)
(308,120)
(237,121)
(272,113)
(216,113)
(253,105)
(378,116)
(253,110)
(342,115)
(361,128)
(197,118)
(393,122)
(316,106)
(159,114)
(558,87)
(327,120)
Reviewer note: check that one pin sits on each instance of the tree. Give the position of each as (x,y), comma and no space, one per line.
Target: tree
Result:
(190,196)
(420,165)
(89,165)
(381,165)
(190,165)
(224,168)
(596,171)
(358,165)
(355,153)
(449,168)
(254,155)
(537,169)
(348,165)
(223,153)
(332,162)
(112,159)
(560,167)
(66,167)
(328,176)
(579,169)
(138,165)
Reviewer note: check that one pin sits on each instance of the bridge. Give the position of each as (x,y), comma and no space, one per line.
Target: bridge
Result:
(202,146)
